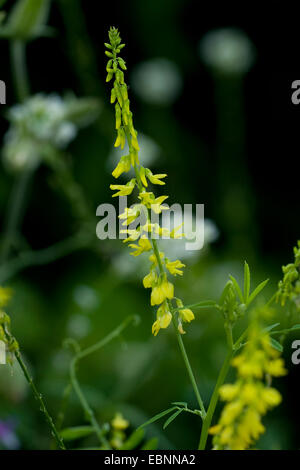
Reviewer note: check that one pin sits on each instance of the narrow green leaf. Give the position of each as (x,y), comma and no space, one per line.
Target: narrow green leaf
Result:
(180,403)
(151,444)
(225,290)
(276,345)
(203,304)
(171,418)
(133,440)
(271,327)
(70,434)
(27,19)
(157,417)
(237,288)
(246,282)
(256,291)
(295,327)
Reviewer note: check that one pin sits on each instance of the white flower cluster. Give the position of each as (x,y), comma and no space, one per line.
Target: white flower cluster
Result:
(40,123)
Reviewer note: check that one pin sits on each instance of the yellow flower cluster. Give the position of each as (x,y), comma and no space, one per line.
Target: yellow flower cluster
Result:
(162,290)
(250,397)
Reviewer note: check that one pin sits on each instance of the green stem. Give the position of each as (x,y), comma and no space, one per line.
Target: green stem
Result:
(190,371)
(214,400)
(82,354)
(19,69)
(41,402)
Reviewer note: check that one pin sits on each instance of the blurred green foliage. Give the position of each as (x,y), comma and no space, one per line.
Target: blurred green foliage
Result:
(200,136)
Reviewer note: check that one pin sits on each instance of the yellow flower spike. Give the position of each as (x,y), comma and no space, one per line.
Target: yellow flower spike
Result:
(5,295)
(123,189)
(174,267)
(119,423)
(123,166)
(143,246)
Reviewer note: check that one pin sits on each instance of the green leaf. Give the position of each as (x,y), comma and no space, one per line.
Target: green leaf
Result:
(246,282)
(295,327)
(180,403)
(276,345)
(225,290)
(237,288)
(151,444)
(133,440)
(157,417)
(202,304)
(271,327)
(27,19)
(256,291)
(172,417)
(70,434)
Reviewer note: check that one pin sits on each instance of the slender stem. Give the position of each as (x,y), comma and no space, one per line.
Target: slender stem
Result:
(40,399)
(14,212)
(190,371)
(82,354)
(44,256)
(19,69)
(215,396)
(214,400)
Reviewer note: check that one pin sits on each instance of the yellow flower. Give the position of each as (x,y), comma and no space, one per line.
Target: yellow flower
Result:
(165,290)
(144,245)
(186,314)
(228,392)
(123,189)
(143,176)
(276,368)
(163,320)
(121,138)
(150,279)
(5,295)
(119,423)
(130,214)
(123,166)
(153,259)
(174,233)
(133,235)
(155,179)
(174,267)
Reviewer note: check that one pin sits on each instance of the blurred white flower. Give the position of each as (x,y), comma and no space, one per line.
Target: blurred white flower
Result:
(78,326)
(157,81)
(43,121)
(86,297)
(227,50)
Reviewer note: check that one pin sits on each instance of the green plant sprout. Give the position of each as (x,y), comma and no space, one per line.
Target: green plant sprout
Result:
(234,302)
